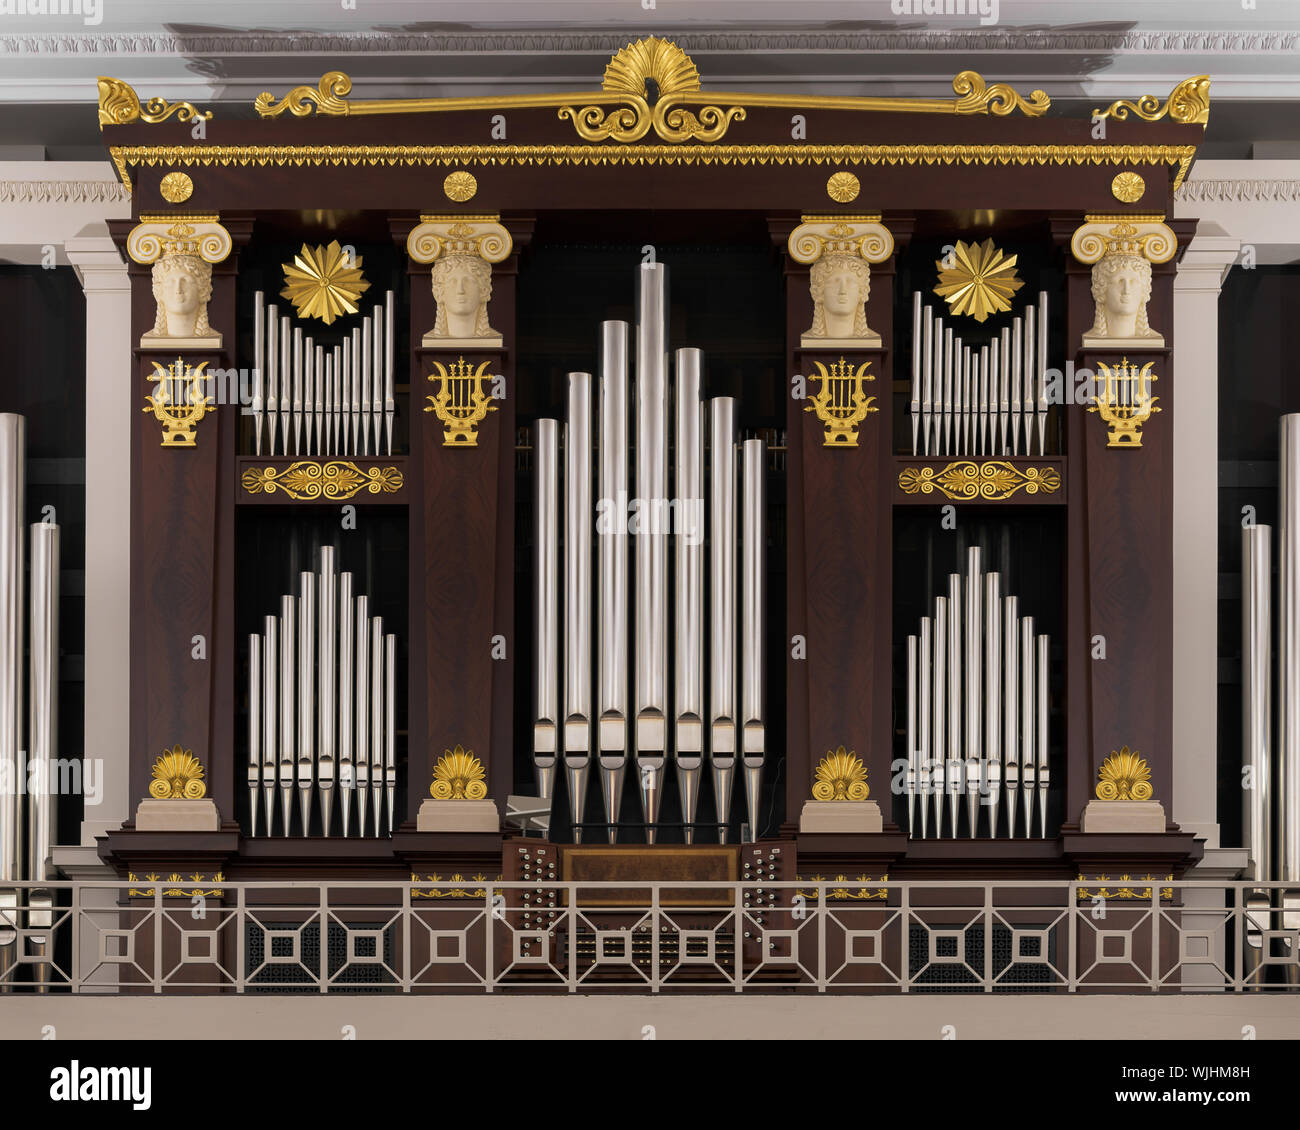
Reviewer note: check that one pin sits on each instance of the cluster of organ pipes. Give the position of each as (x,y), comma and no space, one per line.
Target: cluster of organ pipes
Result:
(1271,791)
(326,400)
(978,400)
(28,796)
(584,725)
(977,711)
(322,718)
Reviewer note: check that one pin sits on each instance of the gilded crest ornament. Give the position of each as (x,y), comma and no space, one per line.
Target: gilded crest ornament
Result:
(460,402)
(458,776)
(176,187)
(841,776)
(1188,103)
(119,105)
(179,402)
(991,481)
(841,404)
(177,775)
(309,479)
(980,280)
(324,282)
(1124,776)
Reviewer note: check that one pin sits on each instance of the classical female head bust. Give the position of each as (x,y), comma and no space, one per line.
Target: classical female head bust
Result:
(840,285)
(1121,289)
(182,288)
(462,287)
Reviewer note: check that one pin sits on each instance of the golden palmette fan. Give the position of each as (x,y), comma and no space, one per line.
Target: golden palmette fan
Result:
(177,775)
(324,282)
(1124,775)
(841,776)
(458,776)
(980,281)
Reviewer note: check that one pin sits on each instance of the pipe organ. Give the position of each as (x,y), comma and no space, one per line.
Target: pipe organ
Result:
(303,698)
(30,769)
(633,601)
(932,606)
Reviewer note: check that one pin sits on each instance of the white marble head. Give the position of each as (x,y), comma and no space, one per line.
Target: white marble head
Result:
(1121,289)
(182,288)
(840,285)
(462,287)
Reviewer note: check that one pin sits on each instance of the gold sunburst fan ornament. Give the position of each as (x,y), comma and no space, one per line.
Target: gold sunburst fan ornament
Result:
(324,282)
(657,60)
(1124,776)
(458,776)
(177,775)
(841,776)
(978,279)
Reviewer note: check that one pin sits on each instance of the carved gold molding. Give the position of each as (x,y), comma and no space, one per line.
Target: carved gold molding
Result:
(651,84)
(308,479)
(176,892)
(992,481)
(458,776)
(177,775)
(124,156)
(1188,102)
(454,892)
(1124,776)
(119,105)
(1166,893)
(844,894)
(840,776)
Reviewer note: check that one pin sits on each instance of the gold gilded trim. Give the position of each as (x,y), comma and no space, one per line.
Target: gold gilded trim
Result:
(1166,893)
(843,894)
(454,892)
(119,105)
(307,479)
(991,482)
(175,892)
(124,156)
(1188,103)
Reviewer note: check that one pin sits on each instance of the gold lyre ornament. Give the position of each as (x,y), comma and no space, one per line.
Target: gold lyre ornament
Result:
(179,402)
(458,776)
(460,403)
(1124,776)
(842,404)
(1124,401)
(841,776)
(177,775)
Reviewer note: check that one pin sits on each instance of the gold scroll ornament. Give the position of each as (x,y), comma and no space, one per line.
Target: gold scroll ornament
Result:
(119,105)
(1188,103)
(337,480)
(992,481)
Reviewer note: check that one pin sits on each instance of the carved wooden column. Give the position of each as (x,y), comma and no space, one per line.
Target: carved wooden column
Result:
(462,514)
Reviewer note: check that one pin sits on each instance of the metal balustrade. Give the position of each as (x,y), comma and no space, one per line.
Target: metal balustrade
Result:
(1132,935)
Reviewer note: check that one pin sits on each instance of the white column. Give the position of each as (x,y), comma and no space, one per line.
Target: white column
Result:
(109,403)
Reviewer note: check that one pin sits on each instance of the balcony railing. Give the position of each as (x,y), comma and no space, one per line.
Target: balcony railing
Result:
(471,935)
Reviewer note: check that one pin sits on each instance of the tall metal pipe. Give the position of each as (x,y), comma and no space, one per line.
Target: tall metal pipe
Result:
(651,575)
(271,359)
(910,732)
(752,621)
(377,721)
(916,369)
(288,696)
(612,625)
(326,769)
(927,378)
(689,585)
(1028,721)
(1257,698)
(974,686)
(1017,362)
(389,403)
(954,764)
(361,691)
(922,754)
(546,713)
(306,694)
(43,739)
(1011,707)
(1027,399)
(1288,680)
(254,727)
(993,696)
(13,441)
(1041,373)
(286,382)
(722,604)
(347,634)
(939,729)
(360,383)
(577,595)
(1042,745)
(270,719)
(259,367)
(390,726)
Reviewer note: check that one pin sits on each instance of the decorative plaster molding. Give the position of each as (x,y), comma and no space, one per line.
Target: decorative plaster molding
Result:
(72,45)
(1238,191)
(62,192)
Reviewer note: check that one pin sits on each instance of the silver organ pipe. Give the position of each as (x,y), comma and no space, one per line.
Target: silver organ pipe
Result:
(323,707)
(948,383)
(13,442)
(577,593)
(916,369)
(722,592)
(651,573)
(1004,391)
(613,565)
(286,381)
(297,364)
(314,377)
(42,738)
(1040,397)
(978,697)
(927,377)
(321,361)
(546,571)
(689,585)
(259,367)
(1030,380)
(389,403)
(360,378)
(1017,363)
(271,361)
(1287,859)
(1256,697)
(753,728)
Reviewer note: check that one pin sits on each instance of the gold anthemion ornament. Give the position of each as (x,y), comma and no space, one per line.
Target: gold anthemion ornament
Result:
(458,776)
(990,481)
(324,282)
(176,187)
(177,775)
(336,480)
(1124,776)
(1128,187)
(841,776)
(980,281)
